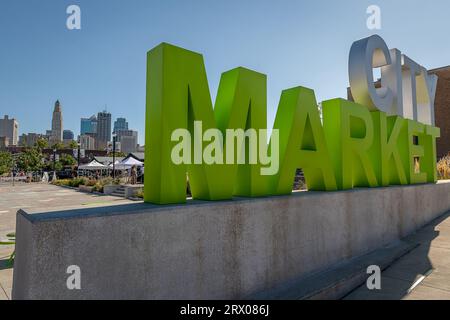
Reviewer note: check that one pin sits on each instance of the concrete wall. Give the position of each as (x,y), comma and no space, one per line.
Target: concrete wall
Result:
(131,191)
(206,250)
(109,189)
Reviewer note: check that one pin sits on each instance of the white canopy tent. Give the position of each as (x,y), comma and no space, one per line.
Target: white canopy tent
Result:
(127,163)
(130,161)
(93,165)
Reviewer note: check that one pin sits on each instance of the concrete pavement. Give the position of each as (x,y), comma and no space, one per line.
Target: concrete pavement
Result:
(42,197)
(422,274)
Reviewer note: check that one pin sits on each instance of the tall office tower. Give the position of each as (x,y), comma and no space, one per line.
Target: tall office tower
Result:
(103,130)
(68,136)
(87,142)
(9,128)
(120,124)
(57,124)
(128,140)
(88,125)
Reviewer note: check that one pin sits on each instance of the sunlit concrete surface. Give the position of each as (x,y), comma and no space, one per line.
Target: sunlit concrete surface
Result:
(41,197)
(422,274)
(212,250)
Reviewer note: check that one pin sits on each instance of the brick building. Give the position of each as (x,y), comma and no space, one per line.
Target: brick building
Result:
(441,108)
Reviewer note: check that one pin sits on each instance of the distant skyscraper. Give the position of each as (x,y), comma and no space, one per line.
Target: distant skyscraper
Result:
(87,142)
(120,124)
(4,143)
(57,123)
(128,140)
(88,125)
(9,128)
(68,135)
(30,139)
(103,129)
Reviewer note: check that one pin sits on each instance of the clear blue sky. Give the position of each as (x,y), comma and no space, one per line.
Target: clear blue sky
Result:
(293,42)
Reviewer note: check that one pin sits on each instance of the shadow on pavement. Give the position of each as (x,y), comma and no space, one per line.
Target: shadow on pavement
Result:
(5,264)
(406,273)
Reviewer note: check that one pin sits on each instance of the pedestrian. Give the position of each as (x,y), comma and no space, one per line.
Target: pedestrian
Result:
(133,175)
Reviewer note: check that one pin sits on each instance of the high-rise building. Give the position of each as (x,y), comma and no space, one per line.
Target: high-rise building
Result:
(68,135)
(88,125)
(57,124)
(4,143)
(103,130)
(9,128)
(120,124)
(128,140)
(30,139)
(87,142)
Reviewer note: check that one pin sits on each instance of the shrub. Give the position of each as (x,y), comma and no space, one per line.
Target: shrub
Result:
(78,181)
(140,194)
(71,182)
(62,182)
(91,183)
(443,168)
(98,186)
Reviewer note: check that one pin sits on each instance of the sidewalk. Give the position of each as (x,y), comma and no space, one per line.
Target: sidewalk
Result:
(43,197)
(6,273)
(422,274)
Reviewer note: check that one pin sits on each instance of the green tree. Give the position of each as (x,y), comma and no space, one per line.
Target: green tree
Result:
(118,154)
(67,160)
(72,145)
(41,143)
(6,162)
(30,160)
(58,146)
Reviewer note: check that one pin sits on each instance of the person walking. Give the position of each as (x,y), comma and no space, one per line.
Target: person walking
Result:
(133,175)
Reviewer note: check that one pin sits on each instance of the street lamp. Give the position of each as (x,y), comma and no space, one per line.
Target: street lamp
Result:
(114,155)
(54,162)
(13,169)
(78,155)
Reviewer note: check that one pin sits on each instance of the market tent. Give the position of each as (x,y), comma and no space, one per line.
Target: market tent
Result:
(93,165)
(129,162)
(108,160)
(115,163)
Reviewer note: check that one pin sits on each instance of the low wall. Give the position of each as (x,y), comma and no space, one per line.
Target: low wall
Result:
(132,190)
(109,189)
(204,250)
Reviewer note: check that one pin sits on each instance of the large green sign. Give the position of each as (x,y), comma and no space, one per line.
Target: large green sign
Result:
(224,151)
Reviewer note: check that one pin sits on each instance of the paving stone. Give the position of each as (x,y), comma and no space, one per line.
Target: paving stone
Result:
(427,293)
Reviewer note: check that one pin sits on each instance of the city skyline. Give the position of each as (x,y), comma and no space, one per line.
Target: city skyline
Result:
(104,63)
(76,132)
(58,133)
